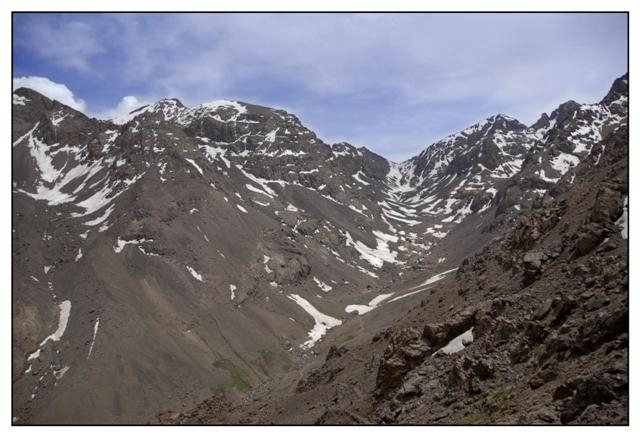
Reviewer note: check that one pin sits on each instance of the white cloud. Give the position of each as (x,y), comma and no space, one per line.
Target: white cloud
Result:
(122,109)
(50,89)
(61,93)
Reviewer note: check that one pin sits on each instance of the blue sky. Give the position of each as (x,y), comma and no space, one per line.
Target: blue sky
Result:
(394,83)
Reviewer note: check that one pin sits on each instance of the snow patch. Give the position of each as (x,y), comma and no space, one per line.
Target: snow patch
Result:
(363,309)
(434,278)
(120,244)
(358,177)
(95,332)
(623,221)
(376,257)
(193,163)
(60,373)
(19,100)
(65,311)
(265,261)
(563,162)
(324,287)
(195,274)
(458,343)
(322,321)
(271,136)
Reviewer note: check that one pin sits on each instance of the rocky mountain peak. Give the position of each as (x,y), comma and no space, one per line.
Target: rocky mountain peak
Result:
(565,110)
(618,95)
(542,123)
(505,123)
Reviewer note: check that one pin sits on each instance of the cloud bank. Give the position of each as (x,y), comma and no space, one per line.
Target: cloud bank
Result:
(50,89)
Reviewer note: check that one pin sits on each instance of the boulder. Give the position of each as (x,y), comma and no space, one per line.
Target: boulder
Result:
(607,206)
(532,262)
(588,238)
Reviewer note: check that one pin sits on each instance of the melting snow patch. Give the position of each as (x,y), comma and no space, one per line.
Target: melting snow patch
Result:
(79,255)
(155,254)
(409,294)
(376,257)
(233,289)
(100,219)
(34,355)
(363,309)
(261,182)
(95,332)
(242,209)
(256,190)
(65,311)
(271,136)
(358,177)
(195,274)
(292,208)
(600,155)
(197,167)
(60,373)
(324,287)
(458,343)
(563,162)
(120,244)
(216,153)
(322,324)
(19,100)
(623,221)
(544,177)
(359,211)
(265,261)
(435,278)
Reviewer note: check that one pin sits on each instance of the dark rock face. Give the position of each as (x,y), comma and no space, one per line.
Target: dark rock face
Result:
(440,334)
(532,265)
(593,391)
(403,354)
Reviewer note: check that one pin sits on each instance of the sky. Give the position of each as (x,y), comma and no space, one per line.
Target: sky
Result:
(394,83)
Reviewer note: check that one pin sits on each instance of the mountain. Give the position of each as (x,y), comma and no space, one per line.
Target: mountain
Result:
(216,253)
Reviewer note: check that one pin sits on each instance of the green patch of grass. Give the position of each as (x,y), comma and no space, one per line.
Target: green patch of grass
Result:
(347,336)
(238,376)
(219,390)
(284,389)
(496,405)
(263,361)
(266,355)
(286,367)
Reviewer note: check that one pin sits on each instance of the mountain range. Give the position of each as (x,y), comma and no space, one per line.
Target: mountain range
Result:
(222,264)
